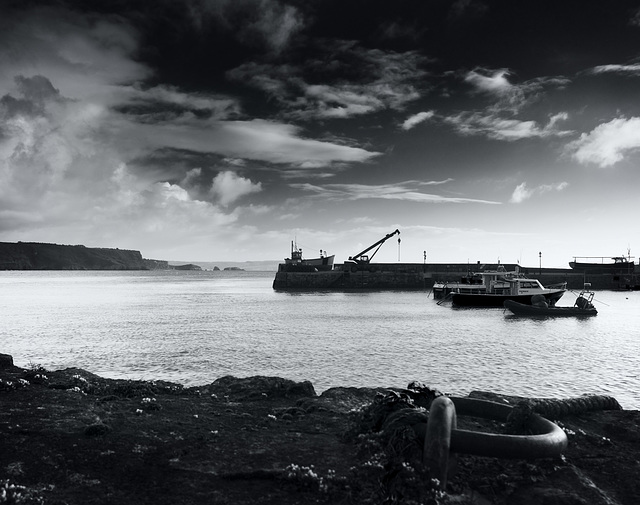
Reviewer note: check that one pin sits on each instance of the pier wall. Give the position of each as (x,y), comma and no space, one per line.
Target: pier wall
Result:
(422,276)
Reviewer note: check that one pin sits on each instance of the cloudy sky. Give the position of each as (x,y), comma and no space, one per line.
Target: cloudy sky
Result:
(207,130)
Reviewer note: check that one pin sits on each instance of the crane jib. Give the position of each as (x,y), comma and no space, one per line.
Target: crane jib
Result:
(364,259)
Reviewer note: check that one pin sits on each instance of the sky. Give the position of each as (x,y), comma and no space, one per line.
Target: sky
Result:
(204,130)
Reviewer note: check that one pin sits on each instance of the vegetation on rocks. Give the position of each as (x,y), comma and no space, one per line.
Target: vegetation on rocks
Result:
(72,437)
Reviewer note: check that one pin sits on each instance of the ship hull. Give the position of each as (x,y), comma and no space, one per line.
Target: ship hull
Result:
(490,300)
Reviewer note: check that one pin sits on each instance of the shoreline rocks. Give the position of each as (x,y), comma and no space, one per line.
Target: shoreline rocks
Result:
(72,437)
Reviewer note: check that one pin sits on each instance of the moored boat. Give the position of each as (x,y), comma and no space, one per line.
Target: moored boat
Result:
(603,264)
(297,263)
(493,288)
(583,306)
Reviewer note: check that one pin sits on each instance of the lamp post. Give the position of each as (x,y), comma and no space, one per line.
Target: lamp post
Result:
(540,259)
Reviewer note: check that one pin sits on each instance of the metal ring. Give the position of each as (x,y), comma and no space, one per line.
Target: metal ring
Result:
(442,436)
(549,439)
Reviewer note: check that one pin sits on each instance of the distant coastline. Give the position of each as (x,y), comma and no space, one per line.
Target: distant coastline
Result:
(44,256)
(48,256)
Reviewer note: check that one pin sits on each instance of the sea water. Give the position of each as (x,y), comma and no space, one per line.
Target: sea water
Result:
(194,327)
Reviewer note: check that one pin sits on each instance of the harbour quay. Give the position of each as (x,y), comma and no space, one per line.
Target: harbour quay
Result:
(422,276)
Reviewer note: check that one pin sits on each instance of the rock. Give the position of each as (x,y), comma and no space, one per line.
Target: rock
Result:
(6,361)
(258,387)
(97,430)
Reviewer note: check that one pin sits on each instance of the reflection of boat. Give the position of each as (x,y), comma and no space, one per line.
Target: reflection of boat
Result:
(583,306)
(602,264)
(493,288)
(299,264)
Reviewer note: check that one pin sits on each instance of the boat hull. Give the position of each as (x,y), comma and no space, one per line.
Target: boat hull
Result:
(520,309)
(603,267)
(322,264)
(491,300)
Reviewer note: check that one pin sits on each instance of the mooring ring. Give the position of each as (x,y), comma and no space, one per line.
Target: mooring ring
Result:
(548,440)
(442,436)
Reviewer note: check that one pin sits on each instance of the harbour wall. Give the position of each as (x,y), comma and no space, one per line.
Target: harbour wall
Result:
(422,276)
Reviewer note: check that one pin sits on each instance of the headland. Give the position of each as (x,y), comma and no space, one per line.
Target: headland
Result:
(42,256)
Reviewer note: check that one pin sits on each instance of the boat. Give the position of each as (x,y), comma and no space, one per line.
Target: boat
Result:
(296,263)
(470,283)
(493,287)
(583,306)
(603,264)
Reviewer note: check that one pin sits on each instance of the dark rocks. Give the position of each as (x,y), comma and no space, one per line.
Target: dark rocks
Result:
(6,361)
(260,387)
(96,430)
(189,266)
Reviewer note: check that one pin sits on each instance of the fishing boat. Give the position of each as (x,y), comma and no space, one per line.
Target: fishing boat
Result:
(493,288)
(583,306)
(296,263)
(603,264)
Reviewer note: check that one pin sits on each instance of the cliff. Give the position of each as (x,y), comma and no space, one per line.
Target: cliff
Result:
(37,256)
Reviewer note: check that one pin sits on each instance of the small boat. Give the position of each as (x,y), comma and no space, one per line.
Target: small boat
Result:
(296,263)
(583,306)
(493,288)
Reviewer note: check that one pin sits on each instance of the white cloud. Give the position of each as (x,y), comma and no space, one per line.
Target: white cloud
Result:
(159,98)
(510,98)
(522,192)
(633,69)
(608,143)
(407,191)
(257,139)
(500,128)
(416,119)
(495,82)
(229,187)
(561,186)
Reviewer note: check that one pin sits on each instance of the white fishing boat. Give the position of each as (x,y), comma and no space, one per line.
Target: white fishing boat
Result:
(493,287)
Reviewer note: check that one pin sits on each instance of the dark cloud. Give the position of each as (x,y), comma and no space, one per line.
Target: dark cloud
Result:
(355,81)
(33,94)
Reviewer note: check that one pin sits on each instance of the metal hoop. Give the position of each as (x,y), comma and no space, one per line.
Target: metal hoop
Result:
(443,437)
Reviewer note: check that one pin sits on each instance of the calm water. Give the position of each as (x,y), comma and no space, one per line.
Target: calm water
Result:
(194,327)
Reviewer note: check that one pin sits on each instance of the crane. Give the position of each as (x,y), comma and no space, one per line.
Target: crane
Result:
(362,258)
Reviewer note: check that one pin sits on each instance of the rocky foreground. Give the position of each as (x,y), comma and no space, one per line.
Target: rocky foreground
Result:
(71,437)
